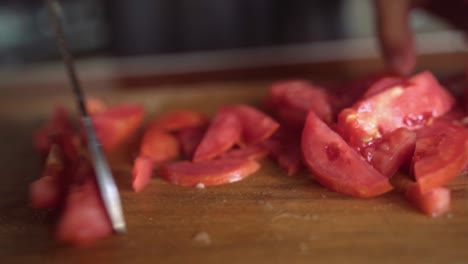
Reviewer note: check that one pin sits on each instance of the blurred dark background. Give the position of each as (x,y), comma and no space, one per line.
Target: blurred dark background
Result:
(142,27)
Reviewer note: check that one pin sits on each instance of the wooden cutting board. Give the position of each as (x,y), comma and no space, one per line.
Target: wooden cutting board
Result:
(267,218)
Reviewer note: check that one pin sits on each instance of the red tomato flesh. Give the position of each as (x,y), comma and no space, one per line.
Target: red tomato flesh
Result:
(159,145)
(382,85)
(256,126)
(432,202)
(254,152)
(189,139)
(410,104)
(209,172)
(336,165)
(391,152)
(95,105)
(142,172)
(84,218)
(223,132)
(441,154)
(285,149)
(117,124)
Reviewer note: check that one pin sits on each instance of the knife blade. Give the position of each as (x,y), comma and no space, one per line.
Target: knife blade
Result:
(106,184)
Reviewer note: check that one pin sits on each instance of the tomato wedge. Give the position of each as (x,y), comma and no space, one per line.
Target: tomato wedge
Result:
(285,149)
(83,218)
(382,85)
(159,145)
(293,99)
(117,124)
(178,119)
(189,139)
(142,171)
(45,192)
(209,172)
(59,124)
(441,154)
(388,155)
(432,202)
(256,126)
(223,132)
(410,104)
(336,165)
(254,152)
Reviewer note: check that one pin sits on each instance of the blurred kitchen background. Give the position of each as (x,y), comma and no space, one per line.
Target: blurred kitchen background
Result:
(171,37)
(143,27)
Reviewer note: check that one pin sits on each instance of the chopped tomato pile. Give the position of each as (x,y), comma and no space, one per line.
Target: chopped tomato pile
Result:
(353,138)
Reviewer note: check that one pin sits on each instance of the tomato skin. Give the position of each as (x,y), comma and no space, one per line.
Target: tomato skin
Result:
(178,119)
(117,124)
(142,172)
(293,99)
(337,166)
(441,154)
(433,202)
(223,132)
(209,172)
(410,104)
(256,125)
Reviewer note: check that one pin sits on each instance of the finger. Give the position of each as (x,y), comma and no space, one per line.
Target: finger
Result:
(394,34)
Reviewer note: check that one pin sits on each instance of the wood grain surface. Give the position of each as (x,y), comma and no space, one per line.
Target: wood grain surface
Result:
(267,218)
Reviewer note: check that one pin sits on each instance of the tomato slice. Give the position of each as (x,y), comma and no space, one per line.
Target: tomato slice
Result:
(189,139)
(95,105)
(117,124)
(410,104)
(178,119)
(159,145)
(254,152)
(336,165)
(142,171)
(432,202)
(441,154)
(285,149)
(59,124)
(209,172)
(256,126)
(293,99)
(223,132)
(46,191)
(83,218)
(394,150)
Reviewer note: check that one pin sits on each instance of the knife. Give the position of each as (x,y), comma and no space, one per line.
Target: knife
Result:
(106,184)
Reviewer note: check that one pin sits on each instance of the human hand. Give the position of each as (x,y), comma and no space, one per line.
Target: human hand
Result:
(394,33)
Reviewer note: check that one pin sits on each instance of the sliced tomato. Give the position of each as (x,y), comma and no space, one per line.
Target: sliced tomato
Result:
(58,125)
(142,171)
(441,154)
(256,126)
(254,152)
(178,119)
(394,150)
(336,165)
(95,105)
(433,202)
(293,99)
(223,132)
(285,149)
(159,145)
(117,124)
(83,218)
(189,139)
(209,172)
(46,191)
(410,104)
